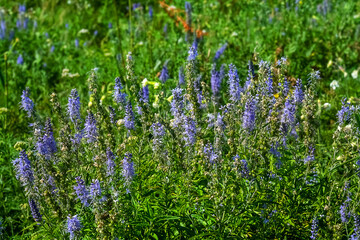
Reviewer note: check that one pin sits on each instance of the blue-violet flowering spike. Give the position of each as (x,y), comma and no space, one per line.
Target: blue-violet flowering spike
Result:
(249,115)
(110,162)
(234,86)
(298,92)
(177,105)
(26,103)
(164,76)
(112,115)
(220,52)
(215,81)
(73,226)
(24,172)
(81,191)
(190,131)
(129,119)
(35,211)
(344,114)
(119,97)
(181,76)
(192,53)
(95,189)
(128,168)
(20,60)
(314,229)
(73,106)
(91,132)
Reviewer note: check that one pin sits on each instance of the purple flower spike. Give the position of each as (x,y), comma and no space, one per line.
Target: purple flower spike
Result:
(23,169)
(81,192)
(234,87)
(249,115)
(26,103)
(20,60)
(95,189)
(164,76)
(144,94)
(35,211)
(181,76)
(151,12)
(2,29)
(177,105)
(192,53)
(46,144)
(242,166)
(220,52)
(210,153)
(216,79)
(128,168)
(190,131)
(129,117)
(287,119)
(110,162)
(298,92)
(269,84)
(22,8)
(73,106)
(158,133)
(345,113)
(119,97)
(73,226)
(91,131)
(112,115)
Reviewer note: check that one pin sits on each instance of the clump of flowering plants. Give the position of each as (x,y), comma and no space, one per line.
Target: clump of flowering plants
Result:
(215,156)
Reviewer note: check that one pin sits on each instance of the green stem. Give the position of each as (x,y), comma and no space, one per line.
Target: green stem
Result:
(6,89)
(119,36)
(131,36)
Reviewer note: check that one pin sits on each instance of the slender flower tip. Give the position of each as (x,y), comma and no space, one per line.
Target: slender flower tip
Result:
(95,189)
(144,94)
(20,60)
(315,75)
(35,211)
(73,106)
(128,168)
(129,120)
(81,191)
(129,56)
(91,131)
(220,52)
(164,76)
(22,8)
(151,11)
(73,226)
(181,76)
(281,61)
(118,95)
(23,169)
(110,162)
(187,6)
(26,103)
(192,53)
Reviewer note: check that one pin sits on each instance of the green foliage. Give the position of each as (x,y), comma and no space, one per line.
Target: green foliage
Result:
(198,204)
